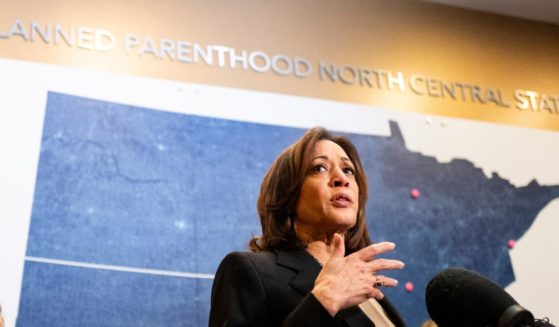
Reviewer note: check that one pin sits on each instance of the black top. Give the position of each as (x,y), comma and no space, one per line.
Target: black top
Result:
(273,289)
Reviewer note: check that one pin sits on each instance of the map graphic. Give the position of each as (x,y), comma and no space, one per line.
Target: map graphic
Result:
(134,208)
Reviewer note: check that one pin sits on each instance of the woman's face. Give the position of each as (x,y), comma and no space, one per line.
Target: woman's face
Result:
(329,198)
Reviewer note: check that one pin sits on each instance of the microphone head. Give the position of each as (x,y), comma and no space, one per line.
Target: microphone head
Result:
(458,297)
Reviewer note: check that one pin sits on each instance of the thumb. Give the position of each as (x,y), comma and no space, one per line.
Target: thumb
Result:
(339,246)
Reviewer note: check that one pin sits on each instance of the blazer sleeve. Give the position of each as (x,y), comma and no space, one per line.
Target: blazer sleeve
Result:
(239,299)
(238,296)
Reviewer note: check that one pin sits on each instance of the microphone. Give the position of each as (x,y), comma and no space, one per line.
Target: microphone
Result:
(457,297)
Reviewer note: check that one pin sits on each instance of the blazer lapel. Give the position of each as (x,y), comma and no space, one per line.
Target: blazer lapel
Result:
(304,264)
(392,313)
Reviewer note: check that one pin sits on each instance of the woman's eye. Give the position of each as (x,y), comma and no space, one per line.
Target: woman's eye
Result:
(318,168)
(349,170)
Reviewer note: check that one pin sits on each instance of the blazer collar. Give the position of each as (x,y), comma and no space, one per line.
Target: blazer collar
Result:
(300,261)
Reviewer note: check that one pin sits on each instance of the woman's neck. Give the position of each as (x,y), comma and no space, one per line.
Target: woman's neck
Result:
(320,250)
(319,244)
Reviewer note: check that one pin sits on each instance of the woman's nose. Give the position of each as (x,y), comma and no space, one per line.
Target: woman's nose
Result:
(339,179)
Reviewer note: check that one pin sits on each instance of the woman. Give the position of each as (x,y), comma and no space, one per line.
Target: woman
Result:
(314,264)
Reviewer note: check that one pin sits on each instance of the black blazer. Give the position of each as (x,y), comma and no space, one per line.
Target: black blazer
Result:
(273,289)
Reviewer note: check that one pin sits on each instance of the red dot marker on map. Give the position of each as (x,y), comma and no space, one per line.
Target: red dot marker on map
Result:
(409,287)
(511,244)
(415,193)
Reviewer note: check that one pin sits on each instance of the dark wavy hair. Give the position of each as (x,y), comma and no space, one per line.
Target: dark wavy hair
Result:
(281,188)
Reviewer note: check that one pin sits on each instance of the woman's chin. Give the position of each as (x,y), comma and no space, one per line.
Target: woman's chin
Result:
(343,225)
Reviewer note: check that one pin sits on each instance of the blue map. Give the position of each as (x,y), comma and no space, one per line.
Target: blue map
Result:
(124,186)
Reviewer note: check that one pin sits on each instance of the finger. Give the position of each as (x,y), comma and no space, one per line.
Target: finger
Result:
(373,250)
(376,293)
(384,264)
(383,281)
(379,295)
(339,247)
(372,291)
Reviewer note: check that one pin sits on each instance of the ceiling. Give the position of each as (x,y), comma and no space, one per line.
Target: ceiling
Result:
(537,10)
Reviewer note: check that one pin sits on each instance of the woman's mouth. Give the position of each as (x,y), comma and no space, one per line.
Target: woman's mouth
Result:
(341,200)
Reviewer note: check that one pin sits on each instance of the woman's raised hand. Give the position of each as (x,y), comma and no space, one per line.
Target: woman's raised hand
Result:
(348,281)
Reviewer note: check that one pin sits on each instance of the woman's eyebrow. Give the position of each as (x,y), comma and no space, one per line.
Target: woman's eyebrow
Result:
(325,157)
